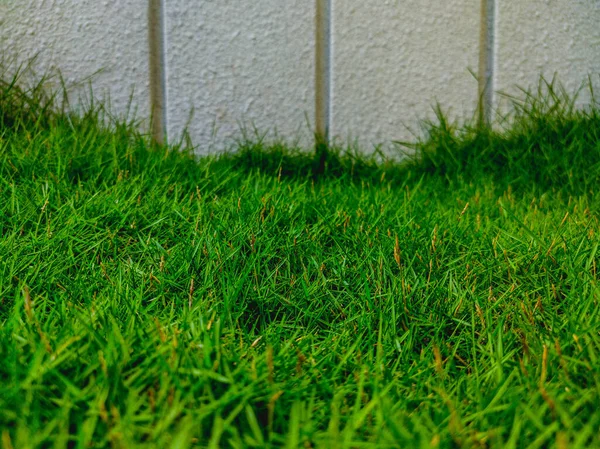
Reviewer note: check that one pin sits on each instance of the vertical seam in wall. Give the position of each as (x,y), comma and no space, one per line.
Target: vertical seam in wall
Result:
(156,41)
(323,70)
(329,65)
(164,71)
(487,60)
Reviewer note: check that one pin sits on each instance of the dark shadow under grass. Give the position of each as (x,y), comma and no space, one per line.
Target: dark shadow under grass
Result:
(281,161)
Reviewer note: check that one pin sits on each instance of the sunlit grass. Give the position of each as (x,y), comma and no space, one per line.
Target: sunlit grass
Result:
(148,299)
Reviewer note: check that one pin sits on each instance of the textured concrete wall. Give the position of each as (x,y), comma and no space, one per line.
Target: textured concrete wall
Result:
(547,37)
(239,63)
(382,64)
(107,39)
(392,60)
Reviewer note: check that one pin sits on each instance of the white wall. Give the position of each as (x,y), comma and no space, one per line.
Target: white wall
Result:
(239,63)
(392,60)
(548,37)
(81,38)
(253,63)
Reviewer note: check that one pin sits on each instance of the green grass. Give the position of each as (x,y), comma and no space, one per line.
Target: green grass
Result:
(151,300)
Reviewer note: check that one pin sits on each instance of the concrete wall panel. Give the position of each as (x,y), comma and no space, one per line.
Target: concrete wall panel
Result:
(239,63)
(547,37)
(392,60)
(107,39)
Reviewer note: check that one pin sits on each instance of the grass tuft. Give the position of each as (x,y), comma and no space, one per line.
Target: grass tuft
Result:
(549,143)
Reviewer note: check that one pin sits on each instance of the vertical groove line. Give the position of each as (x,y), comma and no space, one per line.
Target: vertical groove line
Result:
(164,69)
(323,68)
(156,41)
(330,55)
(487,60)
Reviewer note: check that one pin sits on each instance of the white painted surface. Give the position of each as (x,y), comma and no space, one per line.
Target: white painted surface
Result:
(253,63)
(106,39)
(547,37)
(240,64)
(392,60)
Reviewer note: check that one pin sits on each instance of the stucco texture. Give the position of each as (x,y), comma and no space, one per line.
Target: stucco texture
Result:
(252,64)
(105,42)
(239,64)
(547,37)
(393,60)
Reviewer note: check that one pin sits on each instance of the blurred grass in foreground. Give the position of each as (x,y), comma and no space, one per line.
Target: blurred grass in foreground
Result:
(148,299)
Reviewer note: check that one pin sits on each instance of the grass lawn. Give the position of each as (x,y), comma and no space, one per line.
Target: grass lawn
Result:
(151,300)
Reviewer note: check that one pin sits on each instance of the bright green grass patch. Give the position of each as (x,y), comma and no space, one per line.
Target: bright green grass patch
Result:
(151,300)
